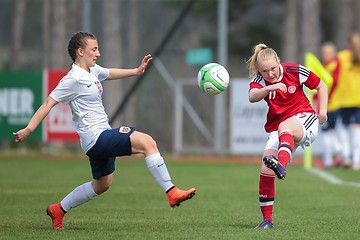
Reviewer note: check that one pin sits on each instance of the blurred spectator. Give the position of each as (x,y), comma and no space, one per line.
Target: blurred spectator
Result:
(332,150)
(349,86)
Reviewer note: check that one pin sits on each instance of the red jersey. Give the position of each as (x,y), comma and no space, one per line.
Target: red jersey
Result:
(333,67)
(285,105)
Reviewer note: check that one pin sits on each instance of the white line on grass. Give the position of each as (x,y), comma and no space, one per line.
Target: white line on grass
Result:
(331,178)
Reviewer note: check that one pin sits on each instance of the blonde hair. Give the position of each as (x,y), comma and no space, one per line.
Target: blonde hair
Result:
(354,44)
(260,52)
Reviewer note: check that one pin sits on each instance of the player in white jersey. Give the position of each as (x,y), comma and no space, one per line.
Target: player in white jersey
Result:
(81,88)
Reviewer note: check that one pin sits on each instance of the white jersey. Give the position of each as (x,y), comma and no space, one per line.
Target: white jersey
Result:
(82,90)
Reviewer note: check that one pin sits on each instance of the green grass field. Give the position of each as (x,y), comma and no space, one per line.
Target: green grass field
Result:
(225,206)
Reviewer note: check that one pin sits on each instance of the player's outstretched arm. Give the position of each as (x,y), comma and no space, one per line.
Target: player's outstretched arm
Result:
(117,73)
(38,116)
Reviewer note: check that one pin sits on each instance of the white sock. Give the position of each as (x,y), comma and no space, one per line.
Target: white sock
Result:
(345,139)
(158,170)
(327,151)
(356,148)
(336,143)
(78,196)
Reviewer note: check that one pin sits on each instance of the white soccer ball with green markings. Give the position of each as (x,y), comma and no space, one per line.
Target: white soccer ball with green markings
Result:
(213,78)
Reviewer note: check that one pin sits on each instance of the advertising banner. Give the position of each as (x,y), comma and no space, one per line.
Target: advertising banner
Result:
(21,94)
(59,124)
(247,134)
(20,97)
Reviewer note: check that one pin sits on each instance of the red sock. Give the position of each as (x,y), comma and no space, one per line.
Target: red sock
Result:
(267,195)
(286,147)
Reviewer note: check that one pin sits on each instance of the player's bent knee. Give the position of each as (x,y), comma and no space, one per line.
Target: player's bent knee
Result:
(102,185)
(149,143)
(143,143)
(152,143)
(100,189)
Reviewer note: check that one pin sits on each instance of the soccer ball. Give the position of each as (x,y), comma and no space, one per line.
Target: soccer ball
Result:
(213,78)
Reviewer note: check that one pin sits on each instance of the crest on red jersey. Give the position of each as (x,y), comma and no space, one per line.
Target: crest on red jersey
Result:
(291,89)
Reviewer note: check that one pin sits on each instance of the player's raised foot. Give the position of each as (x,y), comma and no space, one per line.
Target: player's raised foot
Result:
(273,163)
(177,196)
(265,224)
(56,214)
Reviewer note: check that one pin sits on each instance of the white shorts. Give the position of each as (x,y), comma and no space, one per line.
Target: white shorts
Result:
(310,125)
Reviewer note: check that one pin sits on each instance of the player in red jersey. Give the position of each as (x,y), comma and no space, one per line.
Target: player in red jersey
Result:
(291,120)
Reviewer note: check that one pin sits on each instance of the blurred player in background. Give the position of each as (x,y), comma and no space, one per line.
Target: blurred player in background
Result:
(332,151)
(349,86)
(291,120)
(81,88)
